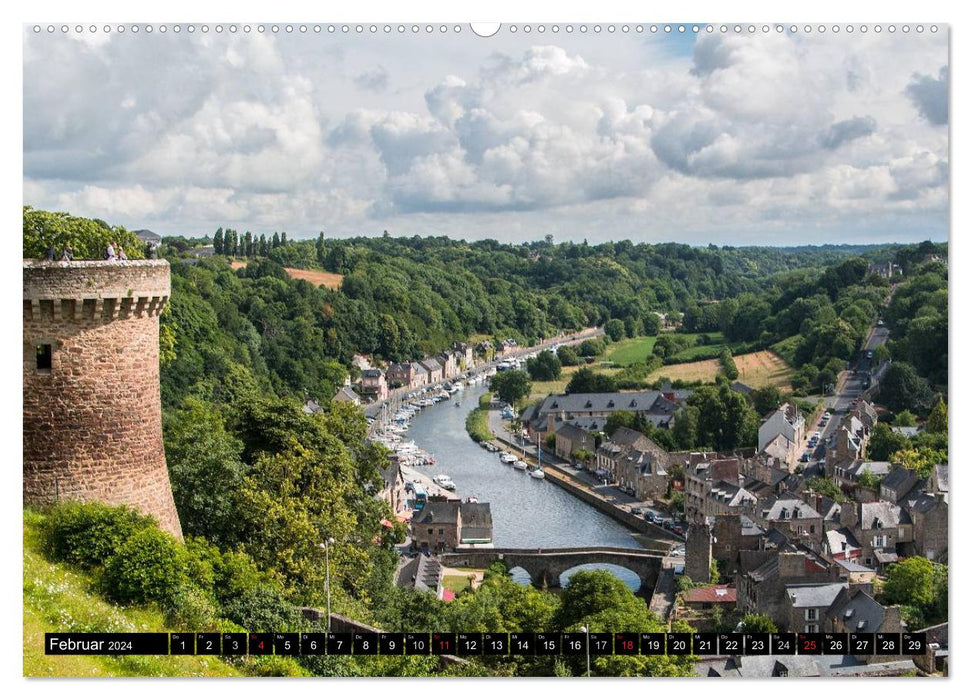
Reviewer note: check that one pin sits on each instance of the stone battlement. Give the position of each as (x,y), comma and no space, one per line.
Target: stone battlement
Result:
(95,290)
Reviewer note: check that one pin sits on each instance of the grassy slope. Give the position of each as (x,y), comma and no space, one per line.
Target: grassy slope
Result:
(58,597)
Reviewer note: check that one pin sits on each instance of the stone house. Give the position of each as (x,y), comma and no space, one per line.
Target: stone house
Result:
(443,525)
(346,395)
(400,374)
(449,364)
(855,611)
(465,355)
(373,385)
(764,575)
(650,405)
(635,462)
(882,529)
(793,517)
(434,369)
(570,439)
(437,527)
(783,431)
(807,605)
(715,488)
(929,516)
(898,483)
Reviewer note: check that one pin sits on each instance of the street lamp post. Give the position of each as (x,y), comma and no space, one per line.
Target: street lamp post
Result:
(325,545)
(586,631)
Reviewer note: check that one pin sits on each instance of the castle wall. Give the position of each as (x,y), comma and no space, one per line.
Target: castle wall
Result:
(93,421)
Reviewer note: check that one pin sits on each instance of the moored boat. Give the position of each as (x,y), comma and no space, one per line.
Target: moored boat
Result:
(537,474)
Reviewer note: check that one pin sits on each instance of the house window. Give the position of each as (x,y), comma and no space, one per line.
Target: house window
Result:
(441,531)
(431,531)
(45,357)
(812,629)
(879,540)
(812,614)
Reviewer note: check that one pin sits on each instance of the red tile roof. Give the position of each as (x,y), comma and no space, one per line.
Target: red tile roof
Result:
(711,594)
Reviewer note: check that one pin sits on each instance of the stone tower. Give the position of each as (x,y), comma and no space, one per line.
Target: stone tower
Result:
(92,410)
(697,553)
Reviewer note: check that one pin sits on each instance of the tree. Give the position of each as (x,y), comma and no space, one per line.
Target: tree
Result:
(766,399)
(651,324)
(922,459)
(87,238)
(937,420)
(912,582)
(217,241)
(868,479)
(545,367)
(614,329)
(568,356)
(206,472)
(276,240)
(586,381)
(884,442)
(685,430)
(511,385)
(728,364)
(901,387)
(827,487)
(905,419)
(591,347)
(726,420)
(754,624)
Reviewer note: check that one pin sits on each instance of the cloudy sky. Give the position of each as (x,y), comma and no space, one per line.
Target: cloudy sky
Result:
(728,139)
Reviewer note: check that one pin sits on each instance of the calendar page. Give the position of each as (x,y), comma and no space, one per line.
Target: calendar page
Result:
(485,350)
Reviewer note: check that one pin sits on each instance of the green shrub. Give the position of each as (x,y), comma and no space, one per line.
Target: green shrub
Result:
(89,534)
(150,567)
(264,609)
(191,607)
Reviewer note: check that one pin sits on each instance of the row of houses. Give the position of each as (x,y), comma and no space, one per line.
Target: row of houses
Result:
(375,384)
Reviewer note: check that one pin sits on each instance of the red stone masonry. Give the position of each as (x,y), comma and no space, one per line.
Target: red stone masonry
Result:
(93,421)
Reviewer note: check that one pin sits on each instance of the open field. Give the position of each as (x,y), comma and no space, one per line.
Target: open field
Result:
(631,350)
(757,369)
(316,277)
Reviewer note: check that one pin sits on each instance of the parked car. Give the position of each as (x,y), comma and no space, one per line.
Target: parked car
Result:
(651,516)
(637,511)
(805,457)
(678,529)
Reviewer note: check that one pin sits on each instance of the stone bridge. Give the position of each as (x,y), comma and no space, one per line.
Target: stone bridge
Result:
(545,566)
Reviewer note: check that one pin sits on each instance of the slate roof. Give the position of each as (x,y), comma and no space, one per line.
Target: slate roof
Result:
(730,493)
(431,364)
(837,538)
(899,478)
(605,402)
(814,595)
(345,393)
(858,611)
(788,507)
(372,373)
(749,527)
(571,432)
(881,514)
(435,512)
(941,474)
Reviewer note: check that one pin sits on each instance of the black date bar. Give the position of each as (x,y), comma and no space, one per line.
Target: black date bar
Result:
(120,643)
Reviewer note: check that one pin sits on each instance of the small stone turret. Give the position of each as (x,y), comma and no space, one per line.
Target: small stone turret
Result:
(92,411)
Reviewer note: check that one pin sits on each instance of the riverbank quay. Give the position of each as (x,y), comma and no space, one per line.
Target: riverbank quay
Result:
(607,499)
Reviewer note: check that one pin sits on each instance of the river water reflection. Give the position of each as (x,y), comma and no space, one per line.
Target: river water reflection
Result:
(526,512)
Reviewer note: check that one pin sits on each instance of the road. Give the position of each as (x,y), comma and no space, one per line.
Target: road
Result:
(849,389)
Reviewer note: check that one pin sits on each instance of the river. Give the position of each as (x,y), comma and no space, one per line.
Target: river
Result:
(526,512)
